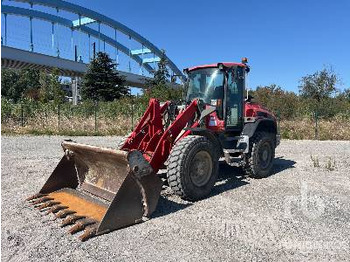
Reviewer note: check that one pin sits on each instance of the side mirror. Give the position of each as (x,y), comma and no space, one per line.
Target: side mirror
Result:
(249,98)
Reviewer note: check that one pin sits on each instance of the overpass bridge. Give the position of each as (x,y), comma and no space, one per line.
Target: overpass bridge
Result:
(20,59)
(47,34)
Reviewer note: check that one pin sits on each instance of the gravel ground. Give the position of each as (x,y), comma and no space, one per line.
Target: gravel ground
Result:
(299,213)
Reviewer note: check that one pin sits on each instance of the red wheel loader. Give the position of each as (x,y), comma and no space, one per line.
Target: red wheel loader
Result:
(97,190)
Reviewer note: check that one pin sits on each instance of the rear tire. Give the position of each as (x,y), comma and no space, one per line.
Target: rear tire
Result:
(193,167)
(259,160)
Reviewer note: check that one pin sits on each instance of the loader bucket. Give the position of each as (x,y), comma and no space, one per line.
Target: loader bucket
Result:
(99,189)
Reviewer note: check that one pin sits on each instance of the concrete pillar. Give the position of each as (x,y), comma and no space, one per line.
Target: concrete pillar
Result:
(5,21)
(53,38)
(75,90)
(99,36)
(58,39)
(31,34)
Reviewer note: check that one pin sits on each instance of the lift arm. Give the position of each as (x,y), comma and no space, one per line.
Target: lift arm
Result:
(149,136)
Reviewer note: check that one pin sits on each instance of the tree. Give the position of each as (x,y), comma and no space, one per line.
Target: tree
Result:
(102,81)
(16,85)
(346,94)
(50,87)
(29,83)
(318,88)
(9,78)
(161,75)
(281,102)
(159,86)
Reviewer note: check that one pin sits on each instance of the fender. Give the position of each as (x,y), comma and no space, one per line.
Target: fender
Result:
(262,124)
(210,135)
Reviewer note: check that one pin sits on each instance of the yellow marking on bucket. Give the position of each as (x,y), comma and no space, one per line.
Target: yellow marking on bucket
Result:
(100,182)
(81,206)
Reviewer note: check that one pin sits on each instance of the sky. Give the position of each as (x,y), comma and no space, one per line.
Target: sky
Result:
(283,40)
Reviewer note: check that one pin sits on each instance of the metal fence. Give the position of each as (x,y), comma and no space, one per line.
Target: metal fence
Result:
(105,118)
(120,117)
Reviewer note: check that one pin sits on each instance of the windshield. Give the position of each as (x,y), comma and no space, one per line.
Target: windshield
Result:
(207,84)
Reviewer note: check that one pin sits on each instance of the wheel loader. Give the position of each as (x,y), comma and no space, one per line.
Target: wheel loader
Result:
(97,190)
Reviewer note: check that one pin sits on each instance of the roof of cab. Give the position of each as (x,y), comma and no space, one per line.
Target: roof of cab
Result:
(226,64)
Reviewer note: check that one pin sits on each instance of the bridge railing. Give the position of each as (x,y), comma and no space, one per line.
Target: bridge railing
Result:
(66,30)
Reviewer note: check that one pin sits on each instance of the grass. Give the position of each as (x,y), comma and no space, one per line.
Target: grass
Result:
(75,126)
(315,161)
(115,118)
(330,164)
(333,129)
(337,128)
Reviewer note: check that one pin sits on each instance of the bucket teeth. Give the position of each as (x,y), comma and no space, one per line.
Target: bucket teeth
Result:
(80,225)
(41,200)
(35,196)
(55,209)
(69,220)
(88,233)
(46,205)
(64,213)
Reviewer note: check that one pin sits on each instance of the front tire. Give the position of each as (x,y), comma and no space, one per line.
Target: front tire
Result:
(259,159)
(193,167)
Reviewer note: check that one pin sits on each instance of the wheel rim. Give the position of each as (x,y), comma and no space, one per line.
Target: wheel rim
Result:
(265,154)
(201,168)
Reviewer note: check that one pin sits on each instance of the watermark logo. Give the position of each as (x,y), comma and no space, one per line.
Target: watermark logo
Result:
(312,206)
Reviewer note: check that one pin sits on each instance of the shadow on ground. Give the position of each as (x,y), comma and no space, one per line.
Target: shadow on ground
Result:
(229,178)
(166,206)
(281,164)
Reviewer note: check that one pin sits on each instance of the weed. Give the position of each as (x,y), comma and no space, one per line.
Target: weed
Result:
(330,165)
(119,118)
(315,161)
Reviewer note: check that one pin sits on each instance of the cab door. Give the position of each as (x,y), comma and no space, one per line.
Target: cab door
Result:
(234,99)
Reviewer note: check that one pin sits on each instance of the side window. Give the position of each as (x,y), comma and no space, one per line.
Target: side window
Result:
(234,97)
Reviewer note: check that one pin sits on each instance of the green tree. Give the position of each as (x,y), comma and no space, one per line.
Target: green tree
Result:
(9,78)
(16,85)
(102,81)
(29,83)
(165,93)
(159,86)
(341,103)
(345,94)
(284,103)
(318,88)
(161,75)
(50,87)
